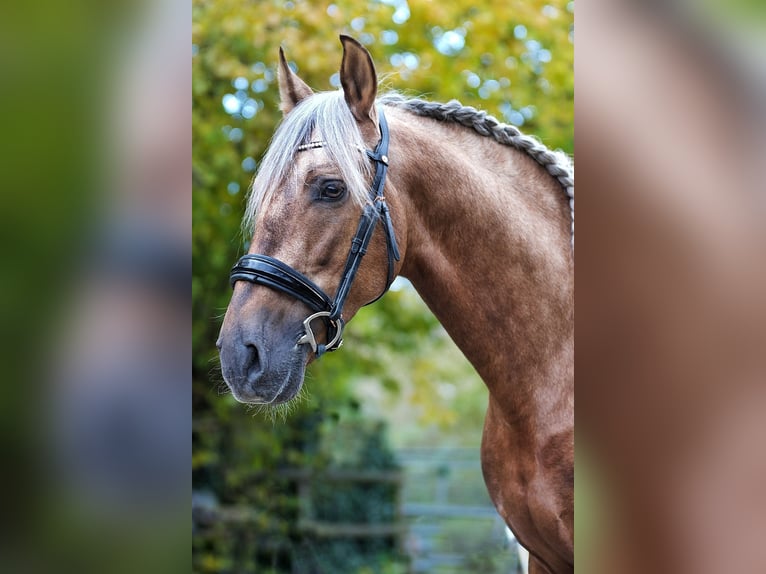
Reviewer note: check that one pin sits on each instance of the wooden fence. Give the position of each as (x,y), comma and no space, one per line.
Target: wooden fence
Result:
(308,522)
(452,526)
(442,518)
(385,531)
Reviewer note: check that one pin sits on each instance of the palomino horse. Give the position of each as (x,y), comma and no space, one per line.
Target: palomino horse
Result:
(475,214)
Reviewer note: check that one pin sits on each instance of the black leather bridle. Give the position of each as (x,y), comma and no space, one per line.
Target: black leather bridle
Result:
(273,273)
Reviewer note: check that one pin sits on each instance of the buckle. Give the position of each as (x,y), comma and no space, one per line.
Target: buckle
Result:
(309,338)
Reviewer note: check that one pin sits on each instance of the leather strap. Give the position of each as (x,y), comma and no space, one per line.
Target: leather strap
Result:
(265,270)
(373,212)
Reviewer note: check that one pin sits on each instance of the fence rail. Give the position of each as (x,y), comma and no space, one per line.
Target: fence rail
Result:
(452,525)
(448,510)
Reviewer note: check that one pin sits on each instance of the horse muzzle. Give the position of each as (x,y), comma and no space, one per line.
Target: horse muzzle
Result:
(262,372)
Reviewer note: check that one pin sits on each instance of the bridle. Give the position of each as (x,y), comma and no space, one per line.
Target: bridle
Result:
(273,273)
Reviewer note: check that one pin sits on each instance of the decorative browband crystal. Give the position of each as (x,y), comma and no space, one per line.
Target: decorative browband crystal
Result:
(311,145)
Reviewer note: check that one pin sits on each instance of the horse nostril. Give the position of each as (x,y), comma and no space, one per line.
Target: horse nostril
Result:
(253,362)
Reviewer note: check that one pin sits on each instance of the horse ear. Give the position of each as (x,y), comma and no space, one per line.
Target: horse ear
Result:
(359,80)
(291,88)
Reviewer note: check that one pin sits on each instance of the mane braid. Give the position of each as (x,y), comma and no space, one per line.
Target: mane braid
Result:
(556,163)
(325,121)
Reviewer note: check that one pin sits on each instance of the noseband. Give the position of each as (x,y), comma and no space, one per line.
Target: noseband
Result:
(273,273)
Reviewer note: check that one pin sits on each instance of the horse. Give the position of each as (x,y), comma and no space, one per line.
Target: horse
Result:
(357,188)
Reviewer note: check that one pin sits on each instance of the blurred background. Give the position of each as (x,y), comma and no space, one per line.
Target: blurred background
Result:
(376,467)
(95,215)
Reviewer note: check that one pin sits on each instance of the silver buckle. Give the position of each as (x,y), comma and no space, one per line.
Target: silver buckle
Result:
(310,339)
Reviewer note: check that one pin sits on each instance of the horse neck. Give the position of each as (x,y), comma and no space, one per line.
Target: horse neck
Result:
(489,251)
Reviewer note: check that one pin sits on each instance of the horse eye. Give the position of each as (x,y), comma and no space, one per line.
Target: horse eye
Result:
(332,190)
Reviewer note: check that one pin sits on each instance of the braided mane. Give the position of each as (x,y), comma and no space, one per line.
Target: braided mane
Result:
(326,116)
(556,163)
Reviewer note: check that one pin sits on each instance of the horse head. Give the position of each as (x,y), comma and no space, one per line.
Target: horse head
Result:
(304,275)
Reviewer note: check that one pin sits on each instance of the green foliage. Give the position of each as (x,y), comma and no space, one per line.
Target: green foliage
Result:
(264,511)
(511,58)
